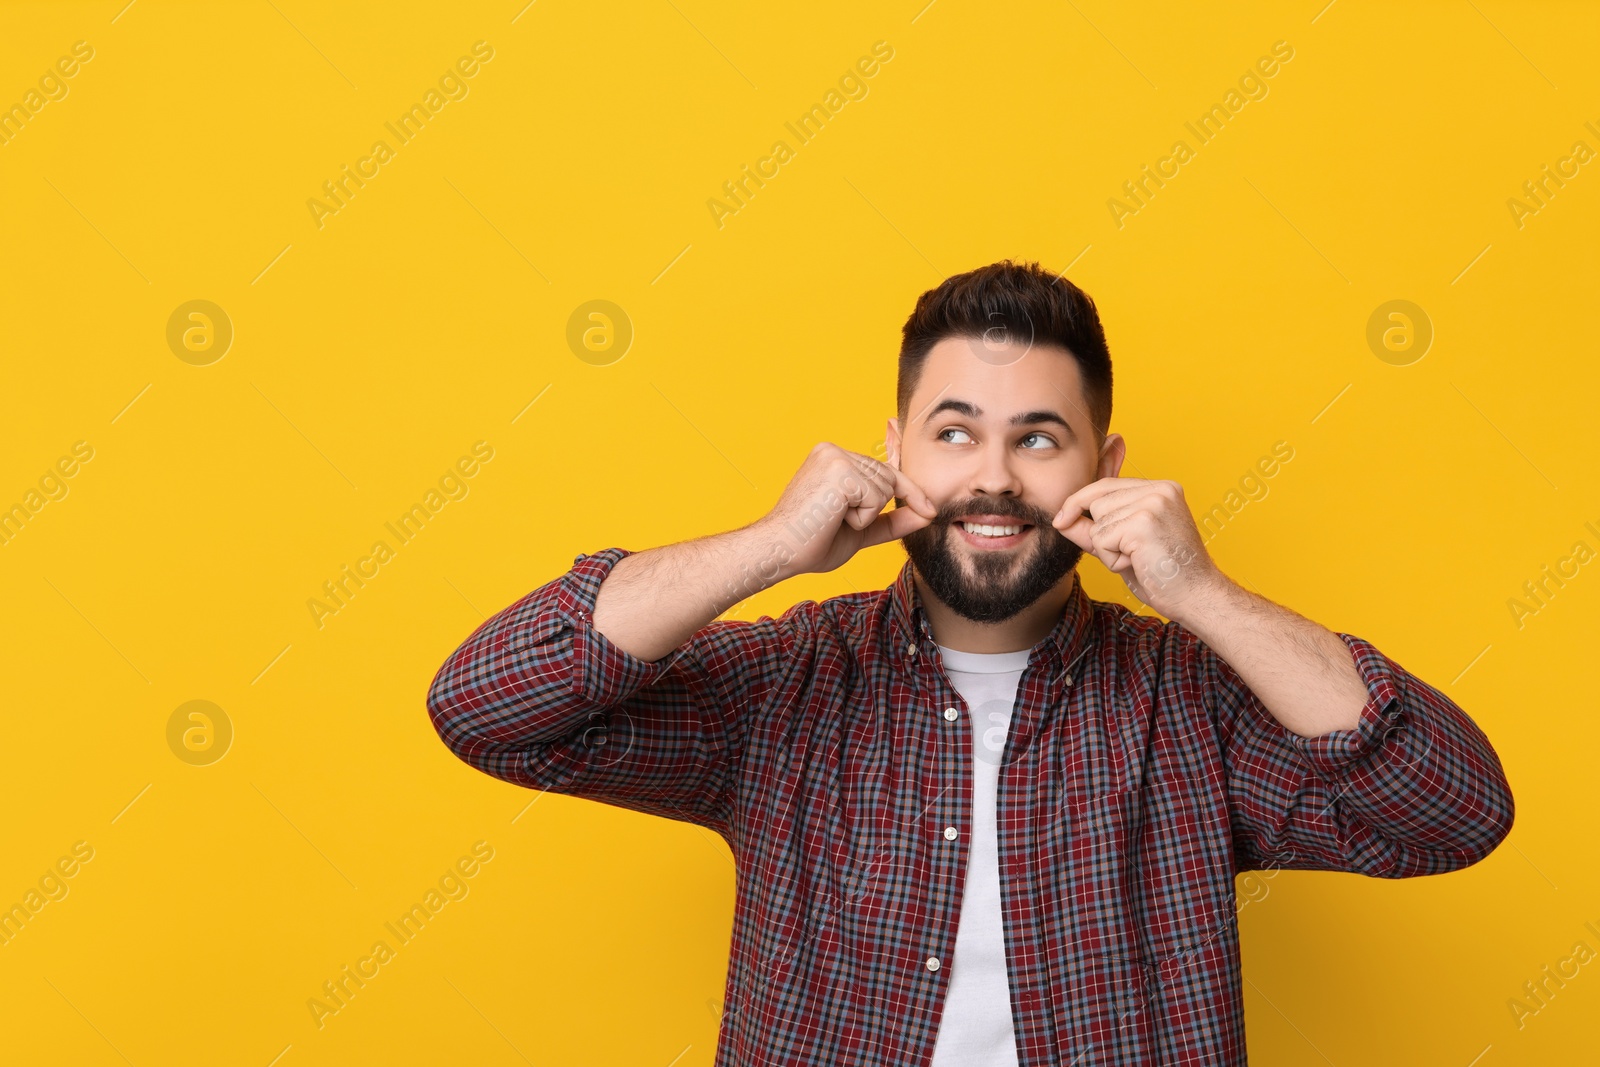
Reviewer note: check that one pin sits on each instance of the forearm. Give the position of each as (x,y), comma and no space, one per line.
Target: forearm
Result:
(1302,672)
(655,600)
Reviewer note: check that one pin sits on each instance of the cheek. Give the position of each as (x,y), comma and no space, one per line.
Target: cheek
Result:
(1048,490)
(937,480)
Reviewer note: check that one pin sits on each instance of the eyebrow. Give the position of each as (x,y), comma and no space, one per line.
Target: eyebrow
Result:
(1021,418)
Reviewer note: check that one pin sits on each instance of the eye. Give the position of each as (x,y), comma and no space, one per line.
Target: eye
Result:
(953,429)
(1047,440)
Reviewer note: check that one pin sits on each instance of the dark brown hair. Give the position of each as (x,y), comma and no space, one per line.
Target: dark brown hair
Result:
(1021,302)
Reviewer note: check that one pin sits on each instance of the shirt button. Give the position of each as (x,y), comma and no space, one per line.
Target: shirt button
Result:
(911,650)
(949,833)
(951,714)
(933,963)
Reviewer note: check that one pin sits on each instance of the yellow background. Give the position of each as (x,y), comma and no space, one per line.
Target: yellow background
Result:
(431,311)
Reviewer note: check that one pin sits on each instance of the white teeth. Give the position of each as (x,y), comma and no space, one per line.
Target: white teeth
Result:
(991,531)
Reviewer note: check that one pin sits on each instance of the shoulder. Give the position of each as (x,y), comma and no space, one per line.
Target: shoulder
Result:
(850,623)
(855,618)
(838,620)
(1138,641)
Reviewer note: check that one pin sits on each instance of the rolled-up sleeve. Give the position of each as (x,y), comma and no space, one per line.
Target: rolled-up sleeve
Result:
(538,697)
(1414,788)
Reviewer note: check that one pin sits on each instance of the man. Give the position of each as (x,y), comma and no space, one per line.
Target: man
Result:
(978,818)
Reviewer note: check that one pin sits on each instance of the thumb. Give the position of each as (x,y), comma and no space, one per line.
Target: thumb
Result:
(893,525)
(1076,530)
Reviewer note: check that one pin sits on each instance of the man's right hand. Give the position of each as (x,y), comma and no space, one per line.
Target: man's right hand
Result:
(655,601)
(831,510)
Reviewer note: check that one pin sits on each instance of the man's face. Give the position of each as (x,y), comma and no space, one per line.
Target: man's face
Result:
(998,435)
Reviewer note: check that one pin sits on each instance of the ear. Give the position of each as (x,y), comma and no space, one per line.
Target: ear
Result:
(891,442)
(1112,453)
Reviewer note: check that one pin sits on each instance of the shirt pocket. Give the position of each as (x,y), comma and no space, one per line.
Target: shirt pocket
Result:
(1108,1011)
(1088,856)
(1139,874)
(1185,868)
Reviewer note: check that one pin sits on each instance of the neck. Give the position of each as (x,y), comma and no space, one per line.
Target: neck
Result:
(1017,634)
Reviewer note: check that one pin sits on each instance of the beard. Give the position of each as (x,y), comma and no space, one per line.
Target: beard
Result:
(990,585)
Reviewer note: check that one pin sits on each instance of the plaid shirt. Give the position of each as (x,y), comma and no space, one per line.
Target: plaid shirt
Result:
(828,747)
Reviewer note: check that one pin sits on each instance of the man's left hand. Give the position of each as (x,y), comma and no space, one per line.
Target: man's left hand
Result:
(1143,532)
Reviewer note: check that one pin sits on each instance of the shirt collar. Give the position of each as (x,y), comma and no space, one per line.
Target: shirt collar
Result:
(1060,646)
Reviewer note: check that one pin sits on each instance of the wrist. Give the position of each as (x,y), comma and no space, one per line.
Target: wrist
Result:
(1206,610)
(761,558)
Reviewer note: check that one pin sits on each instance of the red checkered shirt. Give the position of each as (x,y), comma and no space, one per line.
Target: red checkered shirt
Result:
(1140,775)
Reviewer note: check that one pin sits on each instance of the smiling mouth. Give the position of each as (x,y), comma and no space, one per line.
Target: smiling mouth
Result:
(993,530)
(993,537)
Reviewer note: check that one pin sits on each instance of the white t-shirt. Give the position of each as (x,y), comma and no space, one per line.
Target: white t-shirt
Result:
(975,1029)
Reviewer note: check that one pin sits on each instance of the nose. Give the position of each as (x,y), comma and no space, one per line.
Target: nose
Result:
(996,474)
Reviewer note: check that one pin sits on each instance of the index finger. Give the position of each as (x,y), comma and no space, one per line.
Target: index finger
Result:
(1077,503)
(912,494)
